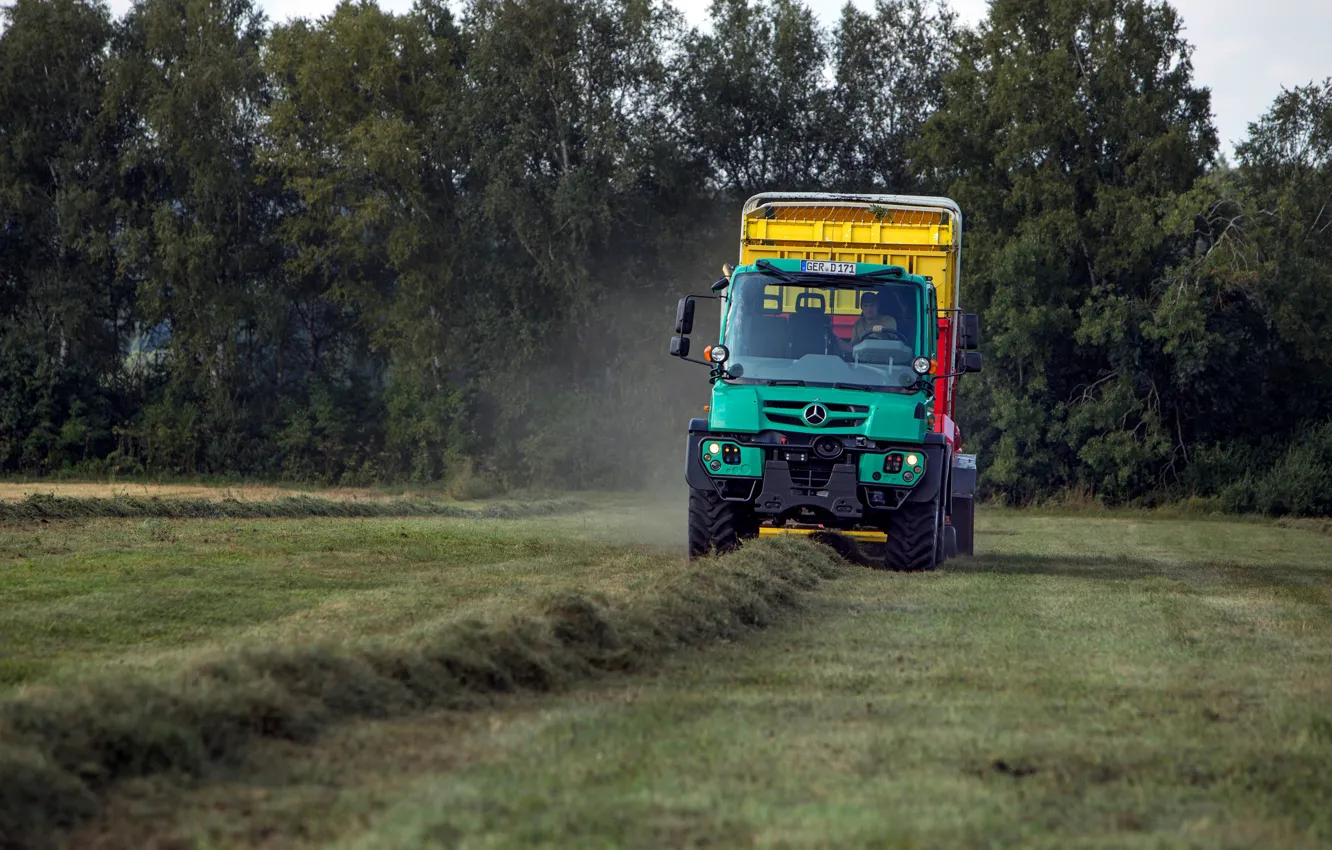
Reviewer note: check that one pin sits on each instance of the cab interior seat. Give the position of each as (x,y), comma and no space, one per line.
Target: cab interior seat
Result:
(767,335)
(809,325)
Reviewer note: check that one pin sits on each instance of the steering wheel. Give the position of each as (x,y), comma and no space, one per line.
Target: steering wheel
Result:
(886,335)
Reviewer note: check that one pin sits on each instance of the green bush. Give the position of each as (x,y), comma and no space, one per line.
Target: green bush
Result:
(1300,484)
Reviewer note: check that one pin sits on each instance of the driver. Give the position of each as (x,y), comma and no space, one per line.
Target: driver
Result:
(870,323)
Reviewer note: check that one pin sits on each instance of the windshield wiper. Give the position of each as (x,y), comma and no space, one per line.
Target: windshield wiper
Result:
(837,385)
(768,268)
(773,382)
(878,388)
(894,271)
(912,387)
(855,281)
(811,279)
(871,387)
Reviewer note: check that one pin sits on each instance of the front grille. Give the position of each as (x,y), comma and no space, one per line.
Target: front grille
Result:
(801,405)
(839,415)
(811,476)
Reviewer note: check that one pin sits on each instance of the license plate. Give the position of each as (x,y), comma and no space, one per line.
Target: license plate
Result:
(827,267)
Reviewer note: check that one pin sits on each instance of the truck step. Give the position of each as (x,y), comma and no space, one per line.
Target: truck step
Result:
(871,536)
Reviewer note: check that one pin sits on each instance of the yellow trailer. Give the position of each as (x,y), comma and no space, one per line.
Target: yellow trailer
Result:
(921,234)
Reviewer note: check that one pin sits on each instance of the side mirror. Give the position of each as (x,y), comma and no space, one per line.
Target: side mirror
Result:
(684,317)
(680,346)
(725,280)
(968,335)
(971,361)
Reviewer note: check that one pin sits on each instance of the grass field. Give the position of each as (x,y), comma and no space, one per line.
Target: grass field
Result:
(15,491)
(77,598)
(1087,680)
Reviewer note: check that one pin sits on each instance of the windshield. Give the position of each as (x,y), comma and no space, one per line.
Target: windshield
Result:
(832,332)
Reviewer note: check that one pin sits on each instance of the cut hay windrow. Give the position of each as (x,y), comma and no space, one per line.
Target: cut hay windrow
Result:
(45,507)
(62,747)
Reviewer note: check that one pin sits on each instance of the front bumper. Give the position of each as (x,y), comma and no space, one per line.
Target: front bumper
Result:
(834,491)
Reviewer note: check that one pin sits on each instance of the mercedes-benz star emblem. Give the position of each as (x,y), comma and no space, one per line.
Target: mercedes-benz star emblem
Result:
(815,415)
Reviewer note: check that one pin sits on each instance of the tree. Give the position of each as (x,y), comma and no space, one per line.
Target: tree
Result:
(574,175)
(751,99)
(1244,317)
(185,74)
(889,69)
(364,130)
(1286,166)
(1068,133)
(65,310)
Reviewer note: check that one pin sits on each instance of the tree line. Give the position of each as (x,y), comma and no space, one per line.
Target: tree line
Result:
(379,247)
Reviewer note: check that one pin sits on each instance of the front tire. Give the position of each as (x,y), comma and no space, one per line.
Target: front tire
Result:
(913,538)
(718,525)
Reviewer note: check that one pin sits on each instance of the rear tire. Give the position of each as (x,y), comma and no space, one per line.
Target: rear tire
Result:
(940,553)
(913,538)
(718,525)
(964,520)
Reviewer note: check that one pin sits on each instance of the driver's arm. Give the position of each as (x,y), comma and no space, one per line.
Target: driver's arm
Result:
(843,345)
(859,331)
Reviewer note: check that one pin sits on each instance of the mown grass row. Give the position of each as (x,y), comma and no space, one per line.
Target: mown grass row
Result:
(61,748)
(46,507)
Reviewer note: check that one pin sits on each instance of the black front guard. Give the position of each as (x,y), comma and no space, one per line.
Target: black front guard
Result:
(842,498)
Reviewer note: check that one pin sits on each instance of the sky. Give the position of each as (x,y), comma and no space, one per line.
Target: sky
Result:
(1244,51)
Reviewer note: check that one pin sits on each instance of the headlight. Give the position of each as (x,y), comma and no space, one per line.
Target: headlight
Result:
(921,365)
(912,460)
(718,353)
(714,448)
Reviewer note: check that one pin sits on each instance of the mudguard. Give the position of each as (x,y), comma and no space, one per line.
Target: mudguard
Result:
(695,475)
(936,466)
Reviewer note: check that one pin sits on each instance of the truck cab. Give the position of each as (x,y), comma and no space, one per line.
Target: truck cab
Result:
(833,375)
